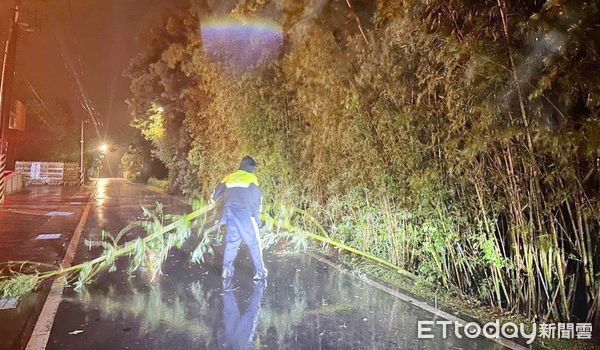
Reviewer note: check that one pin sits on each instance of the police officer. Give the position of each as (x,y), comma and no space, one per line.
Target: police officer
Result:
(242,200)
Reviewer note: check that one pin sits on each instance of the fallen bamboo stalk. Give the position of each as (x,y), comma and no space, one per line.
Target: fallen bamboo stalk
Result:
(9,284)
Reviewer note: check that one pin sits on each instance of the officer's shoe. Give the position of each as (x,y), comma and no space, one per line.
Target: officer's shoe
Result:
(226,273)
(262,284)
(259,277)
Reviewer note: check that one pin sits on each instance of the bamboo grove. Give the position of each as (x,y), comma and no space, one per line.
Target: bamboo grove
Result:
(457,140)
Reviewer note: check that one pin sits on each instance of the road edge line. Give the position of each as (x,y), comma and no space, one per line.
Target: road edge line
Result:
(412,301)
(43,326)
(155,190)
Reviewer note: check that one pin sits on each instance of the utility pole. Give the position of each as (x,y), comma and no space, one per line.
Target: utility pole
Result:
(6,85)
(81,142)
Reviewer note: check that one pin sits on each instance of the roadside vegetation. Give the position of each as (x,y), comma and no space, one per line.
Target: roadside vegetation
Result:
(160,185)
(456,140)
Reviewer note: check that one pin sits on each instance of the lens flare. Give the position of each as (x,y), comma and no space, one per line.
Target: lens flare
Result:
(242,43)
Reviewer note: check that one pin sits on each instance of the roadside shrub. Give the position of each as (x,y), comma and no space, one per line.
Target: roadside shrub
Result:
(162,185)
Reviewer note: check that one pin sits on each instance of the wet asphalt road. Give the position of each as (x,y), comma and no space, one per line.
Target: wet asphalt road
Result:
(305,304)
(26,214)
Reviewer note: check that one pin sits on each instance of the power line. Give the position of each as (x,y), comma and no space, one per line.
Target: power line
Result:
(40,99)
(24,79)
(73,38)
(76,76)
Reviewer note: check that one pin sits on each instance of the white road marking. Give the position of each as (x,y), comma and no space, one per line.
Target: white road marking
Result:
(59,213)
(27,212)
(7,304)
(47,236)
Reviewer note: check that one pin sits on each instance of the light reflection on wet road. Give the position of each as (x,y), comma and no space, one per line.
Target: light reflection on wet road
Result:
(305,304)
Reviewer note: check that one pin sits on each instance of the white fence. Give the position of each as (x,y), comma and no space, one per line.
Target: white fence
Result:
(49,173)
(13,182)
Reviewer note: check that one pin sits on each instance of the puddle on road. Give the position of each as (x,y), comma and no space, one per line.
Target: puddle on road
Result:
(304,304)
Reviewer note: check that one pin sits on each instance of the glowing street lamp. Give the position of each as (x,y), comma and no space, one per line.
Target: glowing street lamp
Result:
(103,148)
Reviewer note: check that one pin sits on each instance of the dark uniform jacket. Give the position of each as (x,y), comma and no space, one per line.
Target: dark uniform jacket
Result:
(241,196)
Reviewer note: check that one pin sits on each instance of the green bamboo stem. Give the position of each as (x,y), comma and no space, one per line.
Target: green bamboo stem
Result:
(127,247)
(313,220)
(26,263)
(267,219)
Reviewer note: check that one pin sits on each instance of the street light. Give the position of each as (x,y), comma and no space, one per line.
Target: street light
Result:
(103,148)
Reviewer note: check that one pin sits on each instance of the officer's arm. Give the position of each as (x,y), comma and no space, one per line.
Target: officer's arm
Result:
(258,204)
(218,192)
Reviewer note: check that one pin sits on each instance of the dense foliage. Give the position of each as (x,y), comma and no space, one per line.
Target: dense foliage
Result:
(459,140)
(138,164)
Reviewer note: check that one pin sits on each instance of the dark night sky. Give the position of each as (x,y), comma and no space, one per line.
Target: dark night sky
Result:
(108,33)
(104,35)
